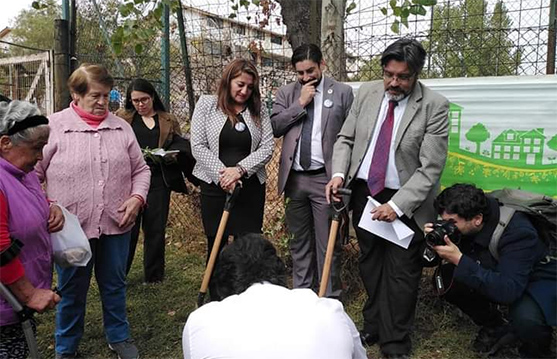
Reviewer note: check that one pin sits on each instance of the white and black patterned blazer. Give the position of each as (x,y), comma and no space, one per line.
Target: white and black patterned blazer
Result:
(206,126)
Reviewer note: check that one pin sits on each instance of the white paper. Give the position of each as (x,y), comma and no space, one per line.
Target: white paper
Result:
(161,152)
(396,232)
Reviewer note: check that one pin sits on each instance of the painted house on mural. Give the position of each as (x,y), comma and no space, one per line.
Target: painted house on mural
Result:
(519,147)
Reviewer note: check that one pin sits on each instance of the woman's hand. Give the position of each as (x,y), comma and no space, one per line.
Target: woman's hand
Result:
(131,208)
(228,177)
(34,298)
(42,299)
(55,219)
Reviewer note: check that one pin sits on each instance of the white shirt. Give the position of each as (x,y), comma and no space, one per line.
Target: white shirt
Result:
(272,322)
(317,160)
(392,180)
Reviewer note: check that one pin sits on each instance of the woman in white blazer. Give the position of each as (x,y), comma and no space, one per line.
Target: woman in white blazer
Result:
(232,141)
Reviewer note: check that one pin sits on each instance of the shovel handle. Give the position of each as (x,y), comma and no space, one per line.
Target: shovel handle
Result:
(213,256)
(328,258)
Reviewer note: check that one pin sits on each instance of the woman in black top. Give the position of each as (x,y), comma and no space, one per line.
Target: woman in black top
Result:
(154,128)
(232,141)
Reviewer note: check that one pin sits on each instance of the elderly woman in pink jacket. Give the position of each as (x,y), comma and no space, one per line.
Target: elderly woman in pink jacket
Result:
(93,166)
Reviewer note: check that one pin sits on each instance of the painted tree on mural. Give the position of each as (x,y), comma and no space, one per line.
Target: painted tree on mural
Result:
(477,134)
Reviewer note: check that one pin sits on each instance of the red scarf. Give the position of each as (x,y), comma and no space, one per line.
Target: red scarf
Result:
(92,120)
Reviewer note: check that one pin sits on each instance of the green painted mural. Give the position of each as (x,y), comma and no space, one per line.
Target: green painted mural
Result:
(515,157)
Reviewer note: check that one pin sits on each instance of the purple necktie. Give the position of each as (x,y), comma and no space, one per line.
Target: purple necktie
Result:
(378,167)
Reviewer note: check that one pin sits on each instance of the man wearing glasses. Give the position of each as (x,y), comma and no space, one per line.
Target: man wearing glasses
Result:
(393,147)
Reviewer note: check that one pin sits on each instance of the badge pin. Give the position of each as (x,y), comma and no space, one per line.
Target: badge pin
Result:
(330,91)
(240,127)
(328,103)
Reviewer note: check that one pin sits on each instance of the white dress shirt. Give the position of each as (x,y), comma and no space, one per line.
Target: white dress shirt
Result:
(272,322)
(317,160)
(392,180)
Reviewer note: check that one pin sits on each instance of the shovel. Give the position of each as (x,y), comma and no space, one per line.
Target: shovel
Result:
(338,207)
(230,198)
(25,315)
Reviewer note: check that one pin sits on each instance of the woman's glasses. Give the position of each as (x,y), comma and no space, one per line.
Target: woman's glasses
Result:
(143,100)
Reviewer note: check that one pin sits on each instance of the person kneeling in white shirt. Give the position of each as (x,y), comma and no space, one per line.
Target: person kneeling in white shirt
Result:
(260,318)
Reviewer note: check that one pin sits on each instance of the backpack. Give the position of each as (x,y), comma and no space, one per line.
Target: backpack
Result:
(540,209)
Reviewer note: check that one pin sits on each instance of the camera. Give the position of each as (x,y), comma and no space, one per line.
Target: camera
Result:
(440,230)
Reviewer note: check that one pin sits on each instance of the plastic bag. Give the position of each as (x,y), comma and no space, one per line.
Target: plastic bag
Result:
(70,245)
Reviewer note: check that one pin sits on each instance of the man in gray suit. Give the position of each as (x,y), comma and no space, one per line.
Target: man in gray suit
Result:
(393,146)
(309,114)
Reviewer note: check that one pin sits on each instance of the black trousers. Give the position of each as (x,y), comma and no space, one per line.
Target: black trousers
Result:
(391,276)
(153,222)
(526,317)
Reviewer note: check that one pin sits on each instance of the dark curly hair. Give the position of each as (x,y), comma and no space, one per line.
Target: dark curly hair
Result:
(464,200)
(249,259)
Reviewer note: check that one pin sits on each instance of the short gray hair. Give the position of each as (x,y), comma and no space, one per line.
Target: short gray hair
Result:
(17,111)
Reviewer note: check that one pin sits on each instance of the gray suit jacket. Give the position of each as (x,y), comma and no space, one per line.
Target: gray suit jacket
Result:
(207,123)
(287,115)
(420,145)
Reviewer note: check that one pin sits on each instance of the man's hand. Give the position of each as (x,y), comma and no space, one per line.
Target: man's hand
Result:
(228,177)
(308,93)
(331,189)
(449,252)
(131,208)
(55,219)
(384,213)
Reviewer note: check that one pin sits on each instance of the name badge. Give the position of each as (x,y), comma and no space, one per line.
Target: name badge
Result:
(240,127)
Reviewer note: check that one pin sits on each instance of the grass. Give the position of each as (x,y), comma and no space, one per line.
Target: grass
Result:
(157,313)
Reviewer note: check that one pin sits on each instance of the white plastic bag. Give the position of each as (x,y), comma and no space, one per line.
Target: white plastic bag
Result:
(70,245)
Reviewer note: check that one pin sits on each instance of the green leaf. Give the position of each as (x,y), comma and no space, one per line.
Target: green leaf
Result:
(38,5)
(231,16)
(138,49)
(392,3)
(404,20)
(395,27)
(256,2)
(244,3)
(405,12)
(350,7)
(397,11)
(428,2)
(384,11)
(422,11)
(234,7)
(137,2)
(157,13)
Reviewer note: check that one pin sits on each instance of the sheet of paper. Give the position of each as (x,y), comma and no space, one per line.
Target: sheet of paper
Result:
(396,232)
(161,152)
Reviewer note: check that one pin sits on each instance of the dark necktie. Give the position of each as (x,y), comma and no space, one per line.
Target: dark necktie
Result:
(378,167)
(305,145)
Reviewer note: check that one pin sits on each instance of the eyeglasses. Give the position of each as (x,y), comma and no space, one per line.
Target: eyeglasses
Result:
(400,78)
(143,100)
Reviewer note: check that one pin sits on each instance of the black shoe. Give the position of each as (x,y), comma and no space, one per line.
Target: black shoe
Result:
(396,356)
(367,338)
(491,339)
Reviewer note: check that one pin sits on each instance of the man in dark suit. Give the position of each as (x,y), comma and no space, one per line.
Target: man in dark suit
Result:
(309,114)
(393,146)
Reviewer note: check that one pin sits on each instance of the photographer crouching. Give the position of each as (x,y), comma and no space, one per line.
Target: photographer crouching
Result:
(471,278)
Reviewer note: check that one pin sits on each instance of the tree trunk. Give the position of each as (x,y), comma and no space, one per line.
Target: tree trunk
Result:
(300,19)
(332,37)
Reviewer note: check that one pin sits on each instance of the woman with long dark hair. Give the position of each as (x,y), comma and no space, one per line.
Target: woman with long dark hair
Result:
(154,128)
(232,141)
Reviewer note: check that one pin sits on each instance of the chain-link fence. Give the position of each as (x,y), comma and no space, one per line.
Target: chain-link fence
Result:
(462,38)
